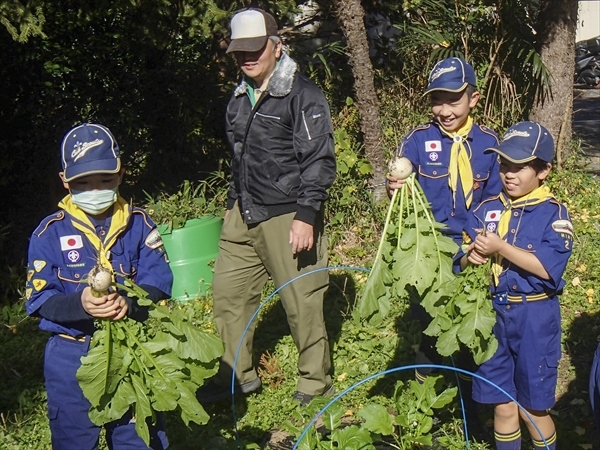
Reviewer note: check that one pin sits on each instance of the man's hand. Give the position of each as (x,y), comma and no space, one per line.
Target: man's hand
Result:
(111,306)
(301,236)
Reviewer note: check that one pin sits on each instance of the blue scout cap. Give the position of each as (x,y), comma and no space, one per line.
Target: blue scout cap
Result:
(87,149)
(524,142)
(451,74)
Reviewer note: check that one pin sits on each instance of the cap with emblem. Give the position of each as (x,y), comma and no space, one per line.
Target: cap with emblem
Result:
(250,30)
(451,74)
(87,149)
(524,142)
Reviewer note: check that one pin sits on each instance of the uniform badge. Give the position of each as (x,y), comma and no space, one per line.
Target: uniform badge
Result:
(563,226)
(71,242)
(493,216)
(466,238)
(154,240)
(476,185)
(30,274)
(491,226)
(28,292)
(73,256)
(39,284)
(433,146)
(39,264)
(433,156)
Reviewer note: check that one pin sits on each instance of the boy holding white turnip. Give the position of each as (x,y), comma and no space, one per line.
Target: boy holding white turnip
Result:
(94,225)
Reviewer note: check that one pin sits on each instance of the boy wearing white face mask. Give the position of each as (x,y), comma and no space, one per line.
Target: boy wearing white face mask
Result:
(94,224)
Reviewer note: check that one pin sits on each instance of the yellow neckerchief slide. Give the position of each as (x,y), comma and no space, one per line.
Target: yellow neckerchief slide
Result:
(460,165)
(80,220)
(535,197)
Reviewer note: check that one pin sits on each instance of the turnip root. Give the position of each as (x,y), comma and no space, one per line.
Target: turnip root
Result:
(100,279)
(400,168)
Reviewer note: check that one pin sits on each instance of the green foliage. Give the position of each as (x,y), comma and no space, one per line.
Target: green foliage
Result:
(497,39)
(412,259)
(405,424)
(150,367)
(352,174)
(22,21)
(208,197)
(462,313)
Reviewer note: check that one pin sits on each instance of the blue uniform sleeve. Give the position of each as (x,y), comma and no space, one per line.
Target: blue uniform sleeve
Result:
(409,149)
(64,309)
(468,235)
(153,265)
(556,248)
(493,186)
(43,270)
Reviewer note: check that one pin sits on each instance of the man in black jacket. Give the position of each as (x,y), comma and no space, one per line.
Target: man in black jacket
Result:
(280,132)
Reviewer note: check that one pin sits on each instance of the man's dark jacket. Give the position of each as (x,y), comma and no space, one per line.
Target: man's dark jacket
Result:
(283,148)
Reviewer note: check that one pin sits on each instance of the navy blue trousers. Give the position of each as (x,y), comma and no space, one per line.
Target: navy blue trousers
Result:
(68,408)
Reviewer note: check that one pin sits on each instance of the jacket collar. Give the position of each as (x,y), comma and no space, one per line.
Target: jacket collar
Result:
(281,81)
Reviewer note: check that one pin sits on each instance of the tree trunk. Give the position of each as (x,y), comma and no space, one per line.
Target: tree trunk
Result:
(350,15)
(556,27)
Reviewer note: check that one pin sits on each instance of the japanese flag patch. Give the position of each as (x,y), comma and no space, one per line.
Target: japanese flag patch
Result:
(71,242)
(493,216)
(433,146)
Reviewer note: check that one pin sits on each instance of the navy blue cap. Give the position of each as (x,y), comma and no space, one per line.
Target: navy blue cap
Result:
(451,74)
(524,142)
(87,149)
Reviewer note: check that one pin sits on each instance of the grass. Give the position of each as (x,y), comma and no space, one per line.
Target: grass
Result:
(359,350)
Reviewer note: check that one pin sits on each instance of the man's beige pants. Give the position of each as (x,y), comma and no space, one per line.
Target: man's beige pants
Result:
(248,255)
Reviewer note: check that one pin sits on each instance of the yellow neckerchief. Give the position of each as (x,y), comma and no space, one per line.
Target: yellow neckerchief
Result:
(118,222)
(460,165)
(535,197)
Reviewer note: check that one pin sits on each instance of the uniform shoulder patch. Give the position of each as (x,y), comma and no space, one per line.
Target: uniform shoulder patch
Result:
(154,240)
(563,226)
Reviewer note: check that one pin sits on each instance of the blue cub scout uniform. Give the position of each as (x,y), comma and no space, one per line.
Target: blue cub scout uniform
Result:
(60,257)
(429,151)
(527,307)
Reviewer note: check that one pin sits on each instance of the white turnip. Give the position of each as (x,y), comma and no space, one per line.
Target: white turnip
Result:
(400,168)
(99,279)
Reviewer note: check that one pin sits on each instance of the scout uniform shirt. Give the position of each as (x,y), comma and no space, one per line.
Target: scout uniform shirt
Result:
(61,255)
(428,148)
(539,226)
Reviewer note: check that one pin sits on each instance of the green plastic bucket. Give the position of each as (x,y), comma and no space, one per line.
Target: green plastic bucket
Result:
(192,250)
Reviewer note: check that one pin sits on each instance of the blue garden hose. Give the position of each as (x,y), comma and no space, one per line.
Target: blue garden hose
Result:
(413,367)
(264,302)
(385,372)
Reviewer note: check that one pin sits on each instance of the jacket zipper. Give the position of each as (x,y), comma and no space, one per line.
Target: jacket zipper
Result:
(267,116)
(306,125)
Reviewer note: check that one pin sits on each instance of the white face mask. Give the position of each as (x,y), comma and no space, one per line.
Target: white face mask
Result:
(94,202)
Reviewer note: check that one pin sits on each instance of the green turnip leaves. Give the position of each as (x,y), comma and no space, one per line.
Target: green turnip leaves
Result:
(146,367)
(414,263)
